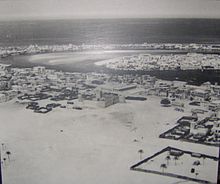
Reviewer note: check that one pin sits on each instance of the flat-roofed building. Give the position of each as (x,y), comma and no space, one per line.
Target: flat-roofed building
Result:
(39,69)
(200,94)
(108,99)
(216,129)
(2,98)
(5,66)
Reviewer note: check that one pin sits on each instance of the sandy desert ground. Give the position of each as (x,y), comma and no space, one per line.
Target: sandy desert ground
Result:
(90,146)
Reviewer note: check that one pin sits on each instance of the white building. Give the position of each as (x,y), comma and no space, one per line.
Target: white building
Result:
(216,129)
(108,100)
(39,69)
(198,130)
(200,94)
(2,98)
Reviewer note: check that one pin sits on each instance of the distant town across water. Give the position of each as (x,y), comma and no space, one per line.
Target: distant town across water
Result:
(85,60)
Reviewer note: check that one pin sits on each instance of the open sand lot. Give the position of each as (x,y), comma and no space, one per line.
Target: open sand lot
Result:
(182,166)
(95,145)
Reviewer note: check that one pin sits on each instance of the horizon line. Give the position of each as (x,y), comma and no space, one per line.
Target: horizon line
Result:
(98,18)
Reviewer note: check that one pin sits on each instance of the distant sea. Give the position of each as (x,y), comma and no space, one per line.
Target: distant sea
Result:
(109,31)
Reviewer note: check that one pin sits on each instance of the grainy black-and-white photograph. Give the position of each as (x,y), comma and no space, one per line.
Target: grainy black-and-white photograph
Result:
(109,91)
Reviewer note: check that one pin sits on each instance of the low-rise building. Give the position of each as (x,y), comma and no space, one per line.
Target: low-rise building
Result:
(108,99)
(200,94)
(216,129)
(198,130)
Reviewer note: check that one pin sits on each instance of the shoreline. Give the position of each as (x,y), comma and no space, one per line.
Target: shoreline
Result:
(22,61)
(85,61)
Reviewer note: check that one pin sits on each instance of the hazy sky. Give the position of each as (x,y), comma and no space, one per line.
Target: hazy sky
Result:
(24,9)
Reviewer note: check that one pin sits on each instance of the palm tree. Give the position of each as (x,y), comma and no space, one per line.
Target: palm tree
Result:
(140,152)
(8,153)
(168,159)
(175,159)
(4,161)
(2,145)
(203,160)
(163,166)
(192,170)
(196,174)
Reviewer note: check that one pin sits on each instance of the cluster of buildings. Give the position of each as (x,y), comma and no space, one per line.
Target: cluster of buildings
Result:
(30,86)
(6,93)
(190,129)
(35,49)
(35,84)
(108,89)
(190,61)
